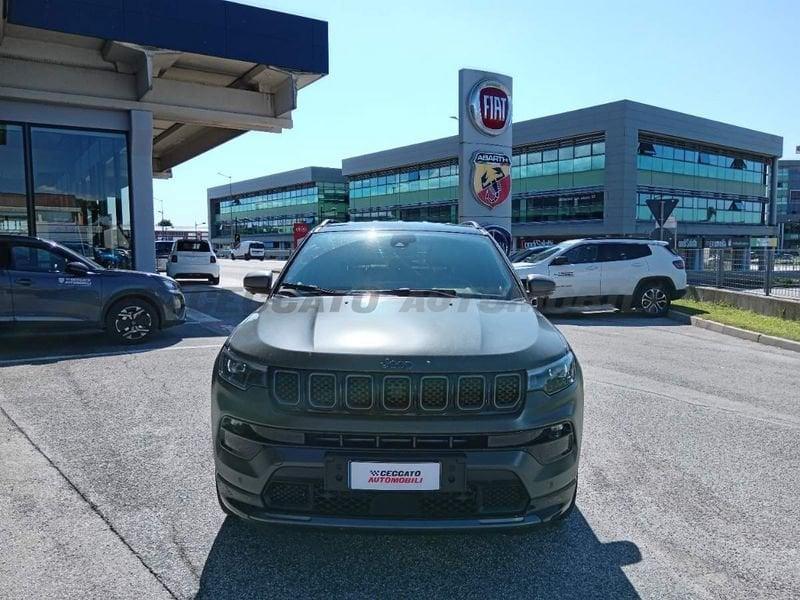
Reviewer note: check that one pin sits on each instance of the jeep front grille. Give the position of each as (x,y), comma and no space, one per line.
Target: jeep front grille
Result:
(398,394)
(507,390)
(358,392)
(286,384)
(471,392)
(433,392)
(322,390)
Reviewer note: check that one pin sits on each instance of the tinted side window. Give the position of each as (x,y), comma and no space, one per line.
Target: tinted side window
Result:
(585,253)
(614,252)
(31,258)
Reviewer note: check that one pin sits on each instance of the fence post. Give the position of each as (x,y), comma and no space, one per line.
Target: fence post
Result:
(769,255)
(719,252)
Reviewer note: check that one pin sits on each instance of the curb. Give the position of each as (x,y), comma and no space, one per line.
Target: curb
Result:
(743,334)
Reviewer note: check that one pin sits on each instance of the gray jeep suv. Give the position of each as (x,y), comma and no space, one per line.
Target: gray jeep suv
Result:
(397,376)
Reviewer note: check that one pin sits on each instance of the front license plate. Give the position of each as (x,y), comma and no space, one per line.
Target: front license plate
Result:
(394,476)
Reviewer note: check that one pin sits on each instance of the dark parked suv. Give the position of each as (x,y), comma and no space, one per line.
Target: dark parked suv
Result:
(46,285)
(397,376)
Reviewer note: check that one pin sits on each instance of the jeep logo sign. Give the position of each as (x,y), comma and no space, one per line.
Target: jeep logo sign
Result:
(490,107)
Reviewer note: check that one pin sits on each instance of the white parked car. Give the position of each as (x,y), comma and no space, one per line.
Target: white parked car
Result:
(644,275)
(247,250)
(193,259)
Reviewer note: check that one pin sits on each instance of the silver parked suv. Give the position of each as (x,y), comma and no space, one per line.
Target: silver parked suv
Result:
(397,376)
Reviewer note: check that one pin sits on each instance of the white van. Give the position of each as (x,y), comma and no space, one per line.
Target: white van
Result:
(247,250)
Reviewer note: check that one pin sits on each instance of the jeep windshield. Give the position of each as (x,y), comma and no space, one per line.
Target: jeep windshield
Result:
(400,263)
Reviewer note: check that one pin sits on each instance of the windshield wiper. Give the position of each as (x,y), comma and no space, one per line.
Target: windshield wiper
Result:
(312,289)
(415,292)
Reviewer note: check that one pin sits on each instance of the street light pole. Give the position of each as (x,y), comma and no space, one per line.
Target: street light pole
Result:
(230,198)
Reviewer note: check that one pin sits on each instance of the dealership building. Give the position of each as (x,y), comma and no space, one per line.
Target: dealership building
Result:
(788,200)
(266,208)
(98,98)
(591,172)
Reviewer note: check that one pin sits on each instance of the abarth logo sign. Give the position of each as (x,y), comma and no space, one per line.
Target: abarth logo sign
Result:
(491,178)
(490,107)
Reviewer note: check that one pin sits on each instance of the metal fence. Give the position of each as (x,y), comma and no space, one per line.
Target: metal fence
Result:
(759,271)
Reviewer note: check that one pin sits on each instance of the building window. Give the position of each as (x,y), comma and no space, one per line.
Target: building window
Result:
(561,158)
(13,200)
(80,192)
(398,193)
(577,206)
(275,211)
(706,208)
(692,160)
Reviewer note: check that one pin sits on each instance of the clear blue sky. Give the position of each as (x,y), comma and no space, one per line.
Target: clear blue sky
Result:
(394,73)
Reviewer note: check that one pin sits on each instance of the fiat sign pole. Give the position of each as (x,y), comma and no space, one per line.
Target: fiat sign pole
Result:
(484,158)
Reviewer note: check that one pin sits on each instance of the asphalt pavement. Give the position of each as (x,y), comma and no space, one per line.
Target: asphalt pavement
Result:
(688,479)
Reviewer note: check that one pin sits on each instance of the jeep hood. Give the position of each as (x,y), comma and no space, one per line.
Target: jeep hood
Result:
(316,329)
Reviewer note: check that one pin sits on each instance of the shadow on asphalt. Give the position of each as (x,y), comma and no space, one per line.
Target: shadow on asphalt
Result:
(226,305)
(225,308)
(610,319)
(41,347)
(569,561)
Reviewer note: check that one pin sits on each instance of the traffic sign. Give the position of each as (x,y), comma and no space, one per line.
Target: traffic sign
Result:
(661,208)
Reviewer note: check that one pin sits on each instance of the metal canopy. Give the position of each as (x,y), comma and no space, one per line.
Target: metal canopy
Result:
(198,100)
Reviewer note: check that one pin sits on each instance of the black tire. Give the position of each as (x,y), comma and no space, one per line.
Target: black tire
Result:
(213,280)
(131,321)
(233,256)
(247,256)
(652,299)
(261,259)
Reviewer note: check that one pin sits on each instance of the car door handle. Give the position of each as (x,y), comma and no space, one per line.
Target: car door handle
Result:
(637,264)
(24,281)
(592,268)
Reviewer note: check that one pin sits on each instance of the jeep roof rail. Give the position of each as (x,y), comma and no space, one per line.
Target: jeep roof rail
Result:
(326,222)
(474,224)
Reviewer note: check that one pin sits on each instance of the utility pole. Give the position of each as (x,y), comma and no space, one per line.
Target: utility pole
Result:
(230,198)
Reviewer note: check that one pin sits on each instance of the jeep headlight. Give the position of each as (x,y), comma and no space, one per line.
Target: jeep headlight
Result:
(554,377)
(239,372)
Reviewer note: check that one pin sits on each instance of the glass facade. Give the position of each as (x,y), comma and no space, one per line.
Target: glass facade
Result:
(788,192)
(701,209)
(275,211)
(713,185)
(577,206)
(554,181)
(13,197)
(559,181)
(79,195)
(422,192)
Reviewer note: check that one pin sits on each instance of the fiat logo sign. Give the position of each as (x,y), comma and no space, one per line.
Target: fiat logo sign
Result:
(490,107)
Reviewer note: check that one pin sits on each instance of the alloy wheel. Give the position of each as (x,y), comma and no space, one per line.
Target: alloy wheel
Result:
(133,322)
(654,300)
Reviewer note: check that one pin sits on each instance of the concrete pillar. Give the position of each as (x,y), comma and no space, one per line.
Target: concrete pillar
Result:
(141,185)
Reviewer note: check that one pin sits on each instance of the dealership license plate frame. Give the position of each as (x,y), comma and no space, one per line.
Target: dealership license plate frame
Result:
(394,476)
(452,470)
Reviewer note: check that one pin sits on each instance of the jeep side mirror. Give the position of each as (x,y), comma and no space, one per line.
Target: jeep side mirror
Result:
(559,260)
(258,282)
(76,268)
(540,286)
